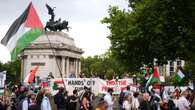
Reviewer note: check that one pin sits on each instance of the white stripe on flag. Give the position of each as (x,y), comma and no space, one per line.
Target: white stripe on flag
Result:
(27,78)
(148,82)
(181,75)
(13,41)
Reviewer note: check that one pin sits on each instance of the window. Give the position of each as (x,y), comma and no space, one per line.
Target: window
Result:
(171,68)
(179,63)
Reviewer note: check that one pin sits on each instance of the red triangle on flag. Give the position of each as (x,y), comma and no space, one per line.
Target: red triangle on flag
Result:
(33,20)
(32,74)
(155,73)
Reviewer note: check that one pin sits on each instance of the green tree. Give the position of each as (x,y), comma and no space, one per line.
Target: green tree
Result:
(13,70)
(161,29)
(103,66)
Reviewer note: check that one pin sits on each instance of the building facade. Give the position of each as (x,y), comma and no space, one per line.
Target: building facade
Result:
(54,53)
(171,67)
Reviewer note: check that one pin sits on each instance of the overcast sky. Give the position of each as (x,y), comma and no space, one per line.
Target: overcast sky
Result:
(84,18)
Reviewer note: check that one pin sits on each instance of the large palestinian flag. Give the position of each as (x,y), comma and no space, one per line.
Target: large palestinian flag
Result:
(25,29)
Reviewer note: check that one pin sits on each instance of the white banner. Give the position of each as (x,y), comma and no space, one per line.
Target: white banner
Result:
(97,85)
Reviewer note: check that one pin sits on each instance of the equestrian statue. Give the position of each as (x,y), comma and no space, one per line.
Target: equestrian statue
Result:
(55,25)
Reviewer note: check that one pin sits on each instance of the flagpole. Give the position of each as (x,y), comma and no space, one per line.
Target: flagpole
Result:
(59,68)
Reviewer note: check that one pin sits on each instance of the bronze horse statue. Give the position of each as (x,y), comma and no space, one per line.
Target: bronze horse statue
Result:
(55,25)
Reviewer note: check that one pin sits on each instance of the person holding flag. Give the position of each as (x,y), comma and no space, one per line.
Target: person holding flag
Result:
(31,76)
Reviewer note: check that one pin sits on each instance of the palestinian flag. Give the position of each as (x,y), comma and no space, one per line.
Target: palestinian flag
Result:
(31,76)
(154,78)
(25,29)
(179,76)
(57,84)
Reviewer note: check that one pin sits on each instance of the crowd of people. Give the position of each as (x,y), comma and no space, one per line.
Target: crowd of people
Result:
(158,99)
(22,98)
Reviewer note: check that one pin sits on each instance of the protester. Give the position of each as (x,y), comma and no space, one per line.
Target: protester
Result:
(172,102)
(59,99)
(22,93)
(189,94)
(82,93)
(21,103)
(193,101)
(135,101)
(108,99)
(2,105)
(121,98)
(66,99)
(33,104)
(102,105)
(183,103)
(85,102)
(29,100)
(45,104)
(156,100)
(128,91)
(73,100)
(127,103)
(145,105)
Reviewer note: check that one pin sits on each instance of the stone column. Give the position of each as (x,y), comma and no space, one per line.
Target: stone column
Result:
(76,68)
(67,67)
(79,67)
(22,70)
(63,66)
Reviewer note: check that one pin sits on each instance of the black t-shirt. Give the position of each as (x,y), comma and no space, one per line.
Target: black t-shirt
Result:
(60,101)
(34,107)
(144,105)
(73,102)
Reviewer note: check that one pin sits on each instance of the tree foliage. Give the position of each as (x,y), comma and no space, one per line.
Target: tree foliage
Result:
(103,66)
(13,70)
(161,29)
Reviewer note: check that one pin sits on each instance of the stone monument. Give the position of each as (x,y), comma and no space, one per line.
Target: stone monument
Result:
(59,53)
(54,52)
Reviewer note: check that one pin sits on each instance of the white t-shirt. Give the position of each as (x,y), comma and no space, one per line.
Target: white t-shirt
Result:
(45,105)
(135,103)
(183,103)
(126,105)
(108,99)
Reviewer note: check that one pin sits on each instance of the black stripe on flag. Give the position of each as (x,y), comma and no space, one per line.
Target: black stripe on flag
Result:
(15,26)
